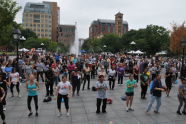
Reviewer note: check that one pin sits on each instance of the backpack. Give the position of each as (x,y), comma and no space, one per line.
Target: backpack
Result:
(47,99)
(123,98)
(109,101)
(94,88)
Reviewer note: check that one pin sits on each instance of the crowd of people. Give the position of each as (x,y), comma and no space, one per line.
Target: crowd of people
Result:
(66,75)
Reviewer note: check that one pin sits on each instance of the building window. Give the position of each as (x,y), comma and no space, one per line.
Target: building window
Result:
(36,16)
(36,21)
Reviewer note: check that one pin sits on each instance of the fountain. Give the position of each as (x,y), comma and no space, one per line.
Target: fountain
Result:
(74,49)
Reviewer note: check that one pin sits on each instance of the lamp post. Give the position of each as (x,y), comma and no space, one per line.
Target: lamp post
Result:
(132,44)
(183,44)
(16,37)
(104,46)
(22,39)
(42,46)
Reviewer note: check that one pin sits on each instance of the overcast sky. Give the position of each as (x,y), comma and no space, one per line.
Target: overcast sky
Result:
(138,13)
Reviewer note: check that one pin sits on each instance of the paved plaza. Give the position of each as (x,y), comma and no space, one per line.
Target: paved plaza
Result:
(83,107)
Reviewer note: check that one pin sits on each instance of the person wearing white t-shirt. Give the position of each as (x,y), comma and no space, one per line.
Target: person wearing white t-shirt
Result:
(64,90)
(14,79)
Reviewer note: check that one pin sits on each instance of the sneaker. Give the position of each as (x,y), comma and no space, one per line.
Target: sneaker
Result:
(127,110)
(19,96)
(4,109)
(156,112)
(59,114)
(104,111)
(130,109)
(97,112)
(30,114)
(36,114)
(184,113)
(4,122)
(68,114)
(179,113)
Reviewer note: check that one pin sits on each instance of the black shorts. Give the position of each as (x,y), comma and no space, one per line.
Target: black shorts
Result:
(130,94)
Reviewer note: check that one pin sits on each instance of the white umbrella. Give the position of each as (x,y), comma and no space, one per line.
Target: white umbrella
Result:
(23,50)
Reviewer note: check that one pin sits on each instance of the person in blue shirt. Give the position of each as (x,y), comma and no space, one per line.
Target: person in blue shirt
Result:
(129,91)
(32,87)
(156,92)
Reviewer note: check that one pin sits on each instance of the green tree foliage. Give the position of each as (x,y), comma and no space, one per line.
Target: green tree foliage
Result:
(8,11)
(111,41)
(152,39)
(48,45)
(27,33)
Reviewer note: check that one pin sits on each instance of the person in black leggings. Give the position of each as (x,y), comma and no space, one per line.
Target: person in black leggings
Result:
(2,95)
(63,91)
(32,87)
(75,78)
(14,79)
(144,78)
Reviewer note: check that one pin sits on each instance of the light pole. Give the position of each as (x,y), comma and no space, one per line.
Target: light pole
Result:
(132,44)
(42,45)
(183,44)
(104,46)
(16,37)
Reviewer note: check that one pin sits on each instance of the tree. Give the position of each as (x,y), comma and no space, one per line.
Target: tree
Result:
(152,39)
(178,33)
(27,33)
(157,38)
(48,45)
(111,41)
(8,11)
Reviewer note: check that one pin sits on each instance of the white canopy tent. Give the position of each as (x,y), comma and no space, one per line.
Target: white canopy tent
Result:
(162,53)
(138,52)
(131,52)
(23,50)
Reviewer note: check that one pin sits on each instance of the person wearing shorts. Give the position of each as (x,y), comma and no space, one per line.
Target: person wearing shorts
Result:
(129,91)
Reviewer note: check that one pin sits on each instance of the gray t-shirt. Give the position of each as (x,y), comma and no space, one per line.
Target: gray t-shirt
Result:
(102,93)
(40,67)
(28,69)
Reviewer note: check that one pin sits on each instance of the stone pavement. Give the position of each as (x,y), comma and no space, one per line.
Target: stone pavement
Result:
(83,107)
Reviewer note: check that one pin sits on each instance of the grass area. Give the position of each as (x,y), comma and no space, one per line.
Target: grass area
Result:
(8,53)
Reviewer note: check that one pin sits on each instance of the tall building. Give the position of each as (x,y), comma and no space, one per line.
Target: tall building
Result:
(101,27)
(119,30)
(66,34)
(55,11)
(42,18)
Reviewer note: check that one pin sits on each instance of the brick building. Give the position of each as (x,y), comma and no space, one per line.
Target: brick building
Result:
(101,27)
(66,34)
